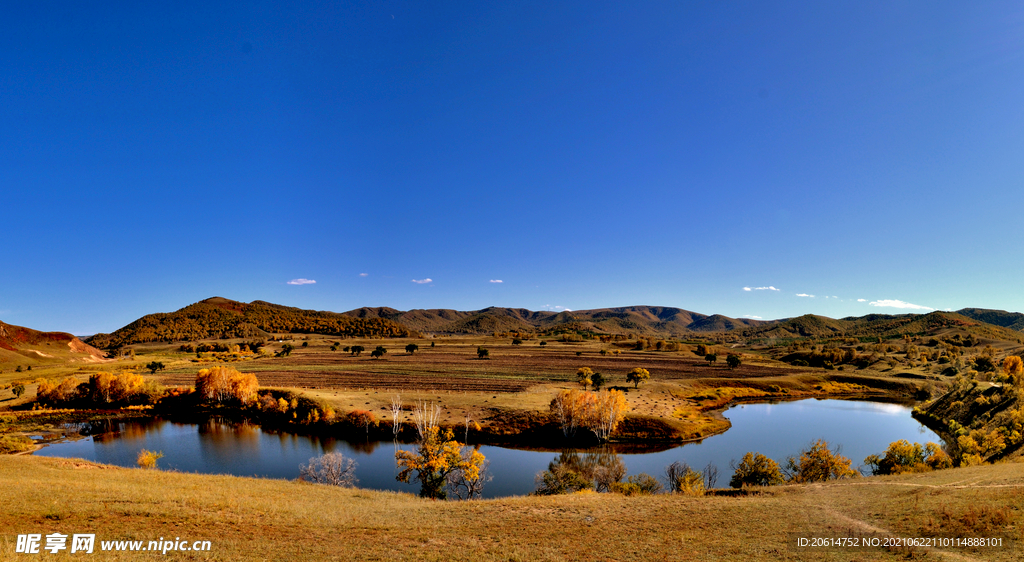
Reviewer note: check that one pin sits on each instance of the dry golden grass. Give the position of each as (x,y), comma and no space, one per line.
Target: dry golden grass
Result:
(251,519)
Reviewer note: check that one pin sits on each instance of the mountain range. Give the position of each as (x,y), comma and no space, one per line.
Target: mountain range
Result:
(218,317)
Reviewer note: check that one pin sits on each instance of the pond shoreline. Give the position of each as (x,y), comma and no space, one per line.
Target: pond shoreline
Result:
(538,433)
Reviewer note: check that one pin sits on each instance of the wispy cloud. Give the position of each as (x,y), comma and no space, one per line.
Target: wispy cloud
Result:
(805,295)
(862,300)
(301,281)
(892,303)
(752,317)
(423,281)
(768,288)
(364,274)
(555,308)
(496,281)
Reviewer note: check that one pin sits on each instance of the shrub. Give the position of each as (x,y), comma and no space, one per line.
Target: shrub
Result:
(818,464)
(683,479)
(639,485)
(561,479)
(14,444)
(902,457)
(147,459)
(330,468)
(756,470)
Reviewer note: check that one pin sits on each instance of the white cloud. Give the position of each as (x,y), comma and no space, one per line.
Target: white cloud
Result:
(752,317)
(423,281)
(747,289)
(805,295)
(891,303)
(301,281)
(496,281)
(862,300)
(556,308)
(364,274)
(768,288)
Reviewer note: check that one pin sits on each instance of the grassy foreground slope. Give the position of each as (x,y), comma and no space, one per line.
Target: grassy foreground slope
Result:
(253,519)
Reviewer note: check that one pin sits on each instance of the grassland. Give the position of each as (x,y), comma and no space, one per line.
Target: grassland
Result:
(253,519)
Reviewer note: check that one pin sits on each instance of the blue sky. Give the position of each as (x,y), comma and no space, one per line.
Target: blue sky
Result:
(585,154)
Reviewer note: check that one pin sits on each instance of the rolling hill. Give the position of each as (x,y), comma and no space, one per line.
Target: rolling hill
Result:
(224,318)
(25,346)
(1011,320)
(880,325)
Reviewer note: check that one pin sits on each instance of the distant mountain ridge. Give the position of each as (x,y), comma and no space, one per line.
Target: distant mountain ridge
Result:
(224,318)
(647,320)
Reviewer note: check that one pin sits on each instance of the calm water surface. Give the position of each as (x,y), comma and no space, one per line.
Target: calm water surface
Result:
(776,430)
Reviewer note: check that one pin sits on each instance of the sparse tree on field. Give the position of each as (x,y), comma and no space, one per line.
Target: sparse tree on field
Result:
(596,380)
(482,353)
(330,468)
(377,353)
(637,376)
(584,376)
(18,389)
(396,409)
(155,366)
(411,348)
(711,358)
(357,349)
(733,360)
(517,341)
(286,350)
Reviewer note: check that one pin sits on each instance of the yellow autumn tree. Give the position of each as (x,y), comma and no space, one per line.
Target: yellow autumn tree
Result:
(437,457)
(609,409)
(101,387)
(637,376)
(125,386)
(221,384)
(819,464)
(573,409)
(583,375)
(1013,367)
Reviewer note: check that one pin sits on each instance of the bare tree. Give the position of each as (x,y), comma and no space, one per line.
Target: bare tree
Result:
(710,476)
(396,409)
(330,468)
(468,419)
(427,416)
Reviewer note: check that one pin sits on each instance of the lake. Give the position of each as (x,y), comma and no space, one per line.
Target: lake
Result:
(777,430)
